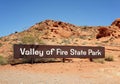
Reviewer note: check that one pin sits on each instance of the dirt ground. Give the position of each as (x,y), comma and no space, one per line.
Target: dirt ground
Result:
(78,72)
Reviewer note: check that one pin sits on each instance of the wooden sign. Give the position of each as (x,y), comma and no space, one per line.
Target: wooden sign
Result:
(55,51)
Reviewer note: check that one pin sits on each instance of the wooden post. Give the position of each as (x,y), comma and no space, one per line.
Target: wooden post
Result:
(91,59)
(32,59)
(63,60)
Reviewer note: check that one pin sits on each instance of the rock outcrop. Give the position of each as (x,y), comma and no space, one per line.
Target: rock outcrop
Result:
(116,23)
(57,28)
(113,30)
(103,32)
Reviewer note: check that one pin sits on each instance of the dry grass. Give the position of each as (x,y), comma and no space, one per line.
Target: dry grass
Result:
(3,61)
(99,60)
(109,58)
(31,40)
(1,44)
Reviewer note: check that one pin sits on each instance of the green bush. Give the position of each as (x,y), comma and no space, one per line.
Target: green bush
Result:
(3,61)
(109,58)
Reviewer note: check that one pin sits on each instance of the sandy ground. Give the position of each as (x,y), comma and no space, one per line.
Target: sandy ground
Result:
(78,72)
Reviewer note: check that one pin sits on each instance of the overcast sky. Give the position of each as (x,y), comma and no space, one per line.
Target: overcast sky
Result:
(18,15)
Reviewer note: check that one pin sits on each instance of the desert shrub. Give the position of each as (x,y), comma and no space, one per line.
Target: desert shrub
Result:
(31,40)
(39,23)
(6,39)
(97,43)
(66,41)
(44,60)
(102,60)
(99,60)
(85,27)
(83,37)
(28,40)
(13,61)
(26,60)
(39,41)
(29,60)
(109,58)
(1,44)
(0,38)
(3,61)
(38,60)
(84,43)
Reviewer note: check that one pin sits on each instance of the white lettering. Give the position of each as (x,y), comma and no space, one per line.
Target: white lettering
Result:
(22,51)
(61,52)
(76,52)
(31,51)
(91,52)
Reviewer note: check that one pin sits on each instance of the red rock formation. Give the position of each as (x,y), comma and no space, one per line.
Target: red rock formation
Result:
(55,27)
(103,32)
(113,30)
(116,23)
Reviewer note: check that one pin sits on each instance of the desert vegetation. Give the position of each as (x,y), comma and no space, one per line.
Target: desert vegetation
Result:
(3,61)
(1,44)
(50,32)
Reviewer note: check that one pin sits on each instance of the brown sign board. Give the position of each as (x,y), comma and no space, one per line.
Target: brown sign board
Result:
(58,51)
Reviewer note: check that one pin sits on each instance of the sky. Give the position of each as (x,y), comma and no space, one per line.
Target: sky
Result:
(19,15)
